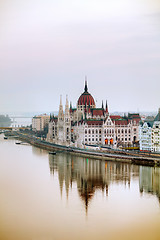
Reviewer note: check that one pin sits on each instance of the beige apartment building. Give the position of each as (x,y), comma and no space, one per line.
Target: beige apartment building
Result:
(40,122)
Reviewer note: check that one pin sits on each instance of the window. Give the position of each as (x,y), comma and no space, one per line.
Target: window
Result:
(89,139)
(86,131)
(89,131)
(125,130)
(99,130)
(93,131)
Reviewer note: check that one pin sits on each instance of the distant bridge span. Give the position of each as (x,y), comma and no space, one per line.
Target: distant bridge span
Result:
(11,128)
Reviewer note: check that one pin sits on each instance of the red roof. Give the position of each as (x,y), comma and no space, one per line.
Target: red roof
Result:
(86,99)
(121,122)
(95,122)
(115,117)
(97,112)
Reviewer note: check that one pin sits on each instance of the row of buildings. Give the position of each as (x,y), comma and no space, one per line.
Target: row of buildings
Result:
(149,134)
(88,125)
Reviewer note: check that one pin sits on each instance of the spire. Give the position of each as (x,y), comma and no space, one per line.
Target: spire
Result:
(60,113)
(66,100)
(70,105)
(102,105)
(106,107)
(67,105)
(86,88)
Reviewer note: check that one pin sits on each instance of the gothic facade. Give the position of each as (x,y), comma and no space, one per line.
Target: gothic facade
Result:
(88,125)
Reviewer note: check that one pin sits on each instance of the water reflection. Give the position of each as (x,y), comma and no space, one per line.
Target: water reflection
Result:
(149,181)
(90,175)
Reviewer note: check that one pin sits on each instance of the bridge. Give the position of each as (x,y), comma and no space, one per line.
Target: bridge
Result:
(12,128)
(19,117)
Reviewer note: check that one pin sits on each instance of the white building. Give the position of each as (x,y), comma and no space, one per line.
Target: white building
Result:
(145,131)
(149,133)
(40,122)
(87,124)
(156,135)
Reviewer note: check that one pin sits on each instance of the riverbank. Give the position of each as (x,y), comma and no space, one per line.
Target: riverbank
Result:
(148,159)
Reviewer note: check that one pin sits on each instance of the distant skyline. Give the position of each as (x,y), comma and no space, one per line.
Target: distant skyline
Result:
(47,48)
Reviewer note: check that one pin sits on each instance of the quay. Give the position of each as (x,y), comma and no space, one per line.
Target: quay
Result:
(139,158)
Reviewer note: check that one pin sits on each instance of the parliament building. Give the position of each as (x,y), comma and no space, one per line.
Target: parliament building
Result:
(88,125)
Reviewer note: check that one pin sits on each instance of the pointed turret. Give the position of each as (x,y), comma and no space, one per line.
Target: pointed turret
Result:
(70,109)
(67,105)
(60,113)
(70,105)
(67,122)
(106,107)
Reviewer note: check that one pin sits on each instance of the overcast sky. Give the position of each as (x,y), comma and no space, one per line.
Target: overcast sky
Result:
(47,47)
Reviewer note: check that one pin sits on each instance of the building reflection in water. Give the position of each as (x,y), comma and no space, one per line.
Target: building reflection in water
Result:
(149,181)
(90,175)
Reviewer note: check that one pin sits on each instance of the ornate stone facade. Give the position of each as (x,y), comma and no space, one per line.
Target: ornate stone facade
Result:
(88,125)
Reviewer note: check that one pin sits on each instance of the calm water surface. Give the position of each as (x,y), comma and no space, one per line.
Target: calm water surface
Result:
(47,197)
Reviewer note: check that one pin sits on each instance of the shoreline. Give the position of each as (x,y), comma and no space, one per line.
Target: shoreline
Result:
(147,159)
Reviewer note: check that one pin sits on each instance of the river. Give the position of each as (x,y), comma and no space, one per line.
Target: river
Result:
(52,197)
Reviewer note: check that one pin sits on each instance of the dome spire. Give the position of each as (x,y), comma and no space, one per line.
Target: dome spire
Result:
(102,105)
(86,88)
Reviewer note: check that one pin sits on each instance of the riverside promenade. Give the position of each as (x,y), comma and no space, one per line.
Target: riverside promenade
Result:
(140,158)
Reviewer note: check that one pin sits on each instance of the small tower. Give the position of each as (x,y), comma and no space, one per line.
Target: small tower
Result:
(106,107)
(60,123)
(60,113)
(106,113)
(67,122)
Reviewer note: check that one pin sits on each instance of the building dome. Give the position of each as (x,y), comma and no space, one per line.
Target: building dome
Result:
(86,98)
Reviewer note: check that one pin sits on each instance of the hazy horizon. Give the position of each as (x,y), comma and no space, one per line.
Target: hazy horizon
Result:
(48,47)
